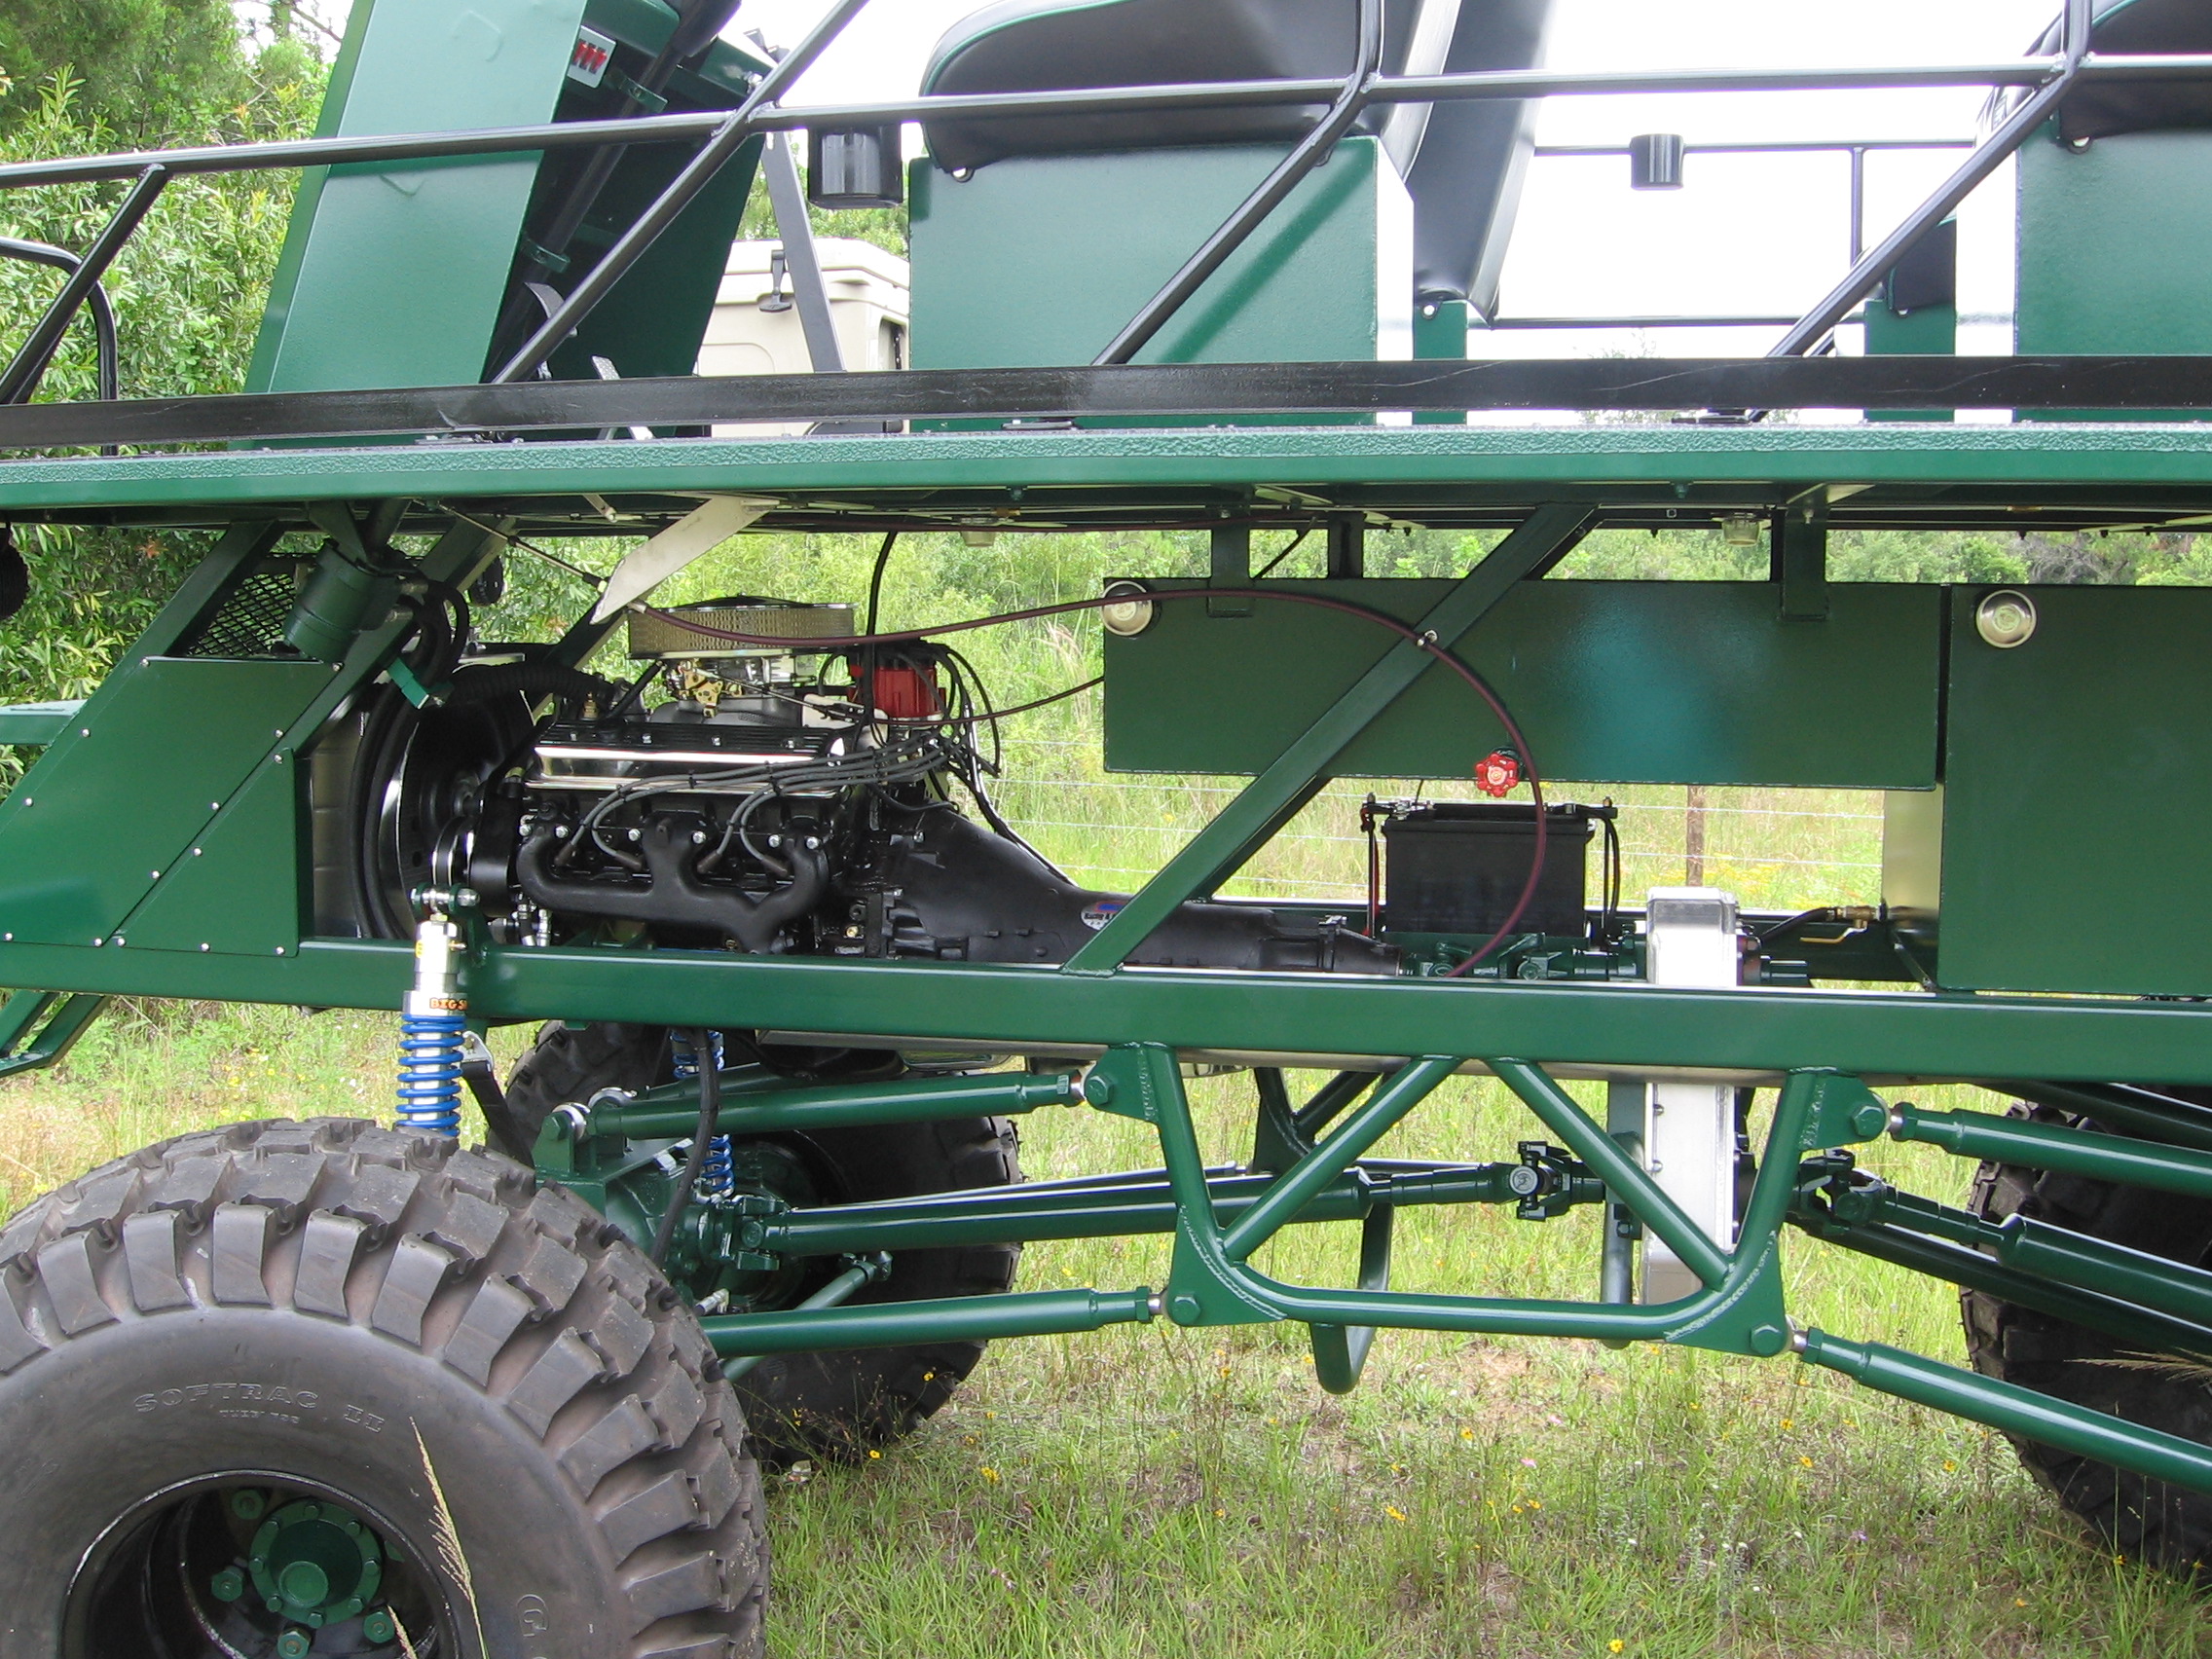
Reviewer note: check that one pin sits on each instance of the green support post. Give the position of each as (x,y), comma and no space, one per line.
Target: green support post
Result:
(1340,1352)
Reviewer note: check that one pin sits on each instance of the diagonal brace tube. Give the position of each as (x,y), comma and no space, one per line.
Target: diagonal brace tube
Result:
(728,138)
(1232,232)
(1814,326)
(1408,1087)
(1627,1179)
(1265,803)
(2016,1410)
(28,365)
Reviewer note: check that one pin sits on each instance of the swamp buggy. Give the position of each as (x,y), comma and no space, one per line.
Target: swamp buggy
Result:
(347,1387)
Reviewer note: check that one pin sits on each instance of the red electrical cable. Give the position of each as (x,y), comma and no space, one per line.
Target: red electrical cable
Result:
(1405,631)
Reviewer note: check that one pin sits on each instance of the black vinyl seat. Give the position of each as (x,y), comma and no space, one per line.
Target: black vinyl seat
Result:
(1465,168)
(2151,28)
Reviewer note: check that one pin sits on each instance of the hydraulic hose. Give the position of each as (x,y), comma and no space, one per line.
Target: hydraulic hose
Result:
(695,1161)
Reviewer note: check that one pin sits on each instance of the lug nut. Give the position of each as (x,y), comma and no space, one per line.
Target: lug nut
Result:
(226,1585)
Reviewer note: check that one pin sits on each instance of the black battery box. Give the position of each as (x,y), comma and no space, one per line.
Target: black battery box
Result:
(1458,867)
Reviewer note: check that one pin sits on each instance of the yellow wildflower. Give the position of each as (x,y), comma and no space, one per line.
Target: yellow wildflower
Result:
(1393,1512)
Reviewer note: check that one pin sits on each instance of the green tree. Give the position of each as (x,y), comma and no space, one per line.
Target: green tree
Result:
(143,63)
(188,292)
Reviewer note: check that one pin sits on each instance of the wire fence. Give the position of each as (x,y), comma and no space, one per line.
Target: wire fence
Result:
(1774,849)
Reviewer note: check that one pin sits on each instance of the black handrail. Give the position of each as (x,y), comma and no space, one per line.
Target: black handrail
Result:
(27,367)
(1308,153)
(460,414)
(110,376)
(760,113)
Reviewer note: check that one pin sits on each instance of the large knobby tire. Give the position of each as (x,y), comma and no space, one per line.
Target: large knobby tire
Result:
(830,1405)
(2145,1520)
(481,1371)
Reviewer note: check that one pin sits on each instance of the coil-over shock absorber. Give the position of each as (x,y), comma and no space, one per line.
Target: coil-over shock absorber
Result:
(433,1022)
(717,1176)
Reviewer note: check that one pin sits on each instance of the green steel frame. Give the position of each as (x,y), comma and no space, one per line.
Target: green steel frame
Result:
(91,912)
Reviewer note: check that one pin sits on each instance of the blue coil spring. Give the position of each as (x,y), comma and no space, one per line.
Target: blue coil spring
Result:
(716,1175)
(429,1072)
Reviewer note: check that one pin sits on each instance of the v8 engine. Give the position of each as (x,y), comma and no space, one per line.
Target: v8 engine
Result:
(808,797)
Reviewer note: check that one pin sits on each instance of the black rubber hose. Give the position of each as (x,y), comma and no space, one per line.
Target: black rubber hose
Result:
(533,679)
(710,1114)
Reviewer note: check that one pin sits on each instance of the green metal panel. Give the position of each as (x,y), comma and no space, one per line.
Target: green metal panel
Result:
(1319,745)
(1932,331)
(1619,682)
(1440,330)
(1041,260)
(2078,776)
(1523,464)
(237,889)
(2114,239)
(392,275)
(106,812)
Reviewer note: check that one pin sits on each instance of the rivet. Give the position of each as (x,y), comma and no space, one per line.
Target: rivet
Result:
(280,950)
(99,942)
(195,851)
(84,731)
(202,945)
(155,873)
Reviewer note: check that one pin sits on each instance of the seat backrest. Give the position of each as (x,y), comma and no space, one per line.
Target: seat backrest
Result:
(1466,160)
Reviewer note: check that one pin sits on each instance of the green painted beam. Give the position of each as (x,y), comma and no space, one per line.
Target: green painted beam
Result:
(2052,1146)
(1871,1033)
(957,1318)
(2017,1410)
(2029,455)
(34,725)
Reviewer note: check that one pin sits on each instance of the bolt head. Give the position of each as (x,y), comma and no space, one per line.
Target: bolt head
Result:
(226,1585)
(1871,1120)
(1184,1310)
